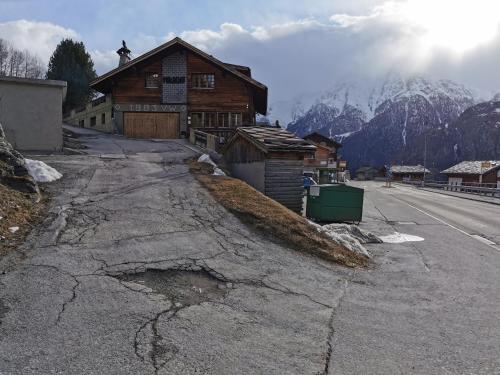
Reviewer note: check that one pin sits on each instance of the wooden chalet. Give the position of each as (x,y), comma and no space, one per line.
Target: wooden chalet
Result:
(475,172)
(170,89)
(323,164)
(271,160)
(408,172)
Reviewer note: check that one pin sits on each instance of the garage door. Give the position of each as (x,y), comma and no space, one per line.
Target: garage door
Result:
(151,125)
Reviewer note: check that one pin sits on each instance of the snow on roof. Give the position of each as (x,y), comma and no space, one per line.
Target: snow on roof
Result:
(472,167)
(409,169)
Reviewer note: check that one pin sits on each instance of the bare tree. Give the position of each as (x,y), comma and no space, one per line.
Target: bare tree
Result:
(4,55)
(16,63)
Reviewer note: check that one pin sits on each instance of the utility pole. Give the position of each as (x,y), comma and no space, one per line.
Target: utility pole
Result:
(425,158)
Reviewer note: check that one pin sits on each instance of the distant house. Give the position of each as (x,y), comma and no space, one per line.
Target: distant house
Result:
(31,113)
(271,160)
(365,173)
(170,90)
(408,172)
(324,162)
(474,172)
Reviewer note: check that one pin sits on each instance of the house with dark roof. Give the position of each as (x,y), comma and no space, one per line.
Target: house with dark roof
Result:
(271,160)
(474,172)
(408,172)
(169,90)
(324,162)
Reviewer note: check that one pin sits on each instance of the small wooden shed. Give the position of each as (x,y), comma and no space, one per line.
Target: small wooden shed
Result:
(271,160)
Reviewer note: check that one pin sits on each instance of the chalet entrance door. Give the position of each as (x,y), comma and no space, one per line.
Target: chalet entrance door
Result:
(159,125)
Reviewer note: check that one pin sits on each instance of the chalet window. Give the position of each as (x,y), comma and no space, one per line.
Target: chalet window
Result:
(209,120)
(152,80)
(93,121)
(103,118)
(203,81)
(223,120)
(235,119)
(196,119)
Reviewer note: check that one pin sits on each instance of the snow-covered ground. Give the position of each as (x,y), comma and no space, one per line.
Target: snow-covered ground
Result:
(42,172)
(397,237)
(205,158)
(351,236)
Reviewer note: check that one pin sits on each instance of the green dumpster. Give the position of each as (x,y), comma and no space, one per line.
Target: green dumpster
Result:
(335,203)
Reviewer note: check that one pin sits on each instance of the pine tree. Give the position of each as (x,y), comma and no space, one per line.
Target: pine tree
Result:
(70,62)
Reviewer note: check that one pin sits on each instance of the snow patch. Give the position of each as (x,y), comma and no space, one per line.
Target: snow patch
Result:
(42,172)
(351,236)
(397,237)
(13,229)
(205,158)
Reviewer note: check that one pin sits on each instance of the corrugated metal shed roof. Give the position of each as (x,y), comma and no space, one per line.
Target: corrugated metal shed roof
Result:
(472,167)
(409,169)
(275,139)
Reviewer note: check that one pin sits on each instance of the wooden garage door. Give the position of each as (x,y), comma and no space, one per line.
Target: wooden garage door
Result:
(151,125)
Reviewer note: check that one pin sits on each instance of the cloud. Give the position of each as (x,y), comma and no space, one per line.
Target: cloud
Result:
(40,38)
(452,39)
(104,60)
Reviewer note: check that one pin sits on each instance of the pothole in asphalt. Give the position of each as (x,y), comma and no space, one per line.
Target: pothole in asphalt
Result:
(182,287)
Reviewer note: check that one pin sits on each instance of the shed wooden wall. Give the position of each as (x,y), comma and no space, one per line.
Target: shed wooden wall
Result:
(283,182)
(243,151)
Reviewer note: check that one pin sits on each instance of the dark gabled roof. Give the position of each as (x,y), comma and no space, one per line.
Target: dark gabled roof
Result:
(261,90)
(241,68)
(409,169)
(472,167)
(318,138)
(272,139)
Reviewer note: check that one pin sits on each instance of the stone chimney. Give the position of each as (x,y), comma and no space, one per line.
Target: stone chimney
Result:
(124,54)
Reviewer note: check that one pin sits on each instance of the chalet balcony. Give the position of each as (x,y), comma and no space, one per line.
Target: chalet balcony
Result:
(320,163)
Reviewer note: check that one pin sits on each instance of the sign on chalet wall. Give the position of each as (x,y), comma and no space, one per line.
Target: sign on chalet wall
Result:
(149,107)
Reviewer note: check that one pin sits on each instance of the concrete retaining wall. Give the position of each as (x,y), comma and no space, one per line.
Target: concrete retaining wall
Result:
(31,113)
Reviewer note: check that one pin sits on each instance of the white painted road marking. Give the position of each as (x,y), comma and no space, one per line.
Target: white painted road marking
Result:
(481,239)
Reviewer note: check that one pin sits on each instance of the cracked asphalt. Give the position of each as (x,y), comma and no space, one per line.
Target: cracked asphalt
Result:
(137,270)
(73,299)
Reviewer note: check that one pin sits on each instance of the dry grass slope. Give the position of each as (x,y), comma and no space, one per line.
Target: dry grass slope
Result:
(269,216)
(17,210)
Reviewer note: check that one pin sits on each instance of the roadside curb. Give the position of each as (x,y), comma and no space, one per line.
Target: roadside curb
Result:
(458,196)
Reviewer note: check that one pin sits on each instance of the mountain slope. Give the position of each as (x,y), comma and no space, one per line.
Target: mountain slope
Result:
(475,135)
(383,123)
(414,107)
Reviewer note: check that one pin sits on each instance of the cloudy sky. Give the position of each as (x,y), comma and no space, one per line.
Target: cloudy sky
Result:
(292,46)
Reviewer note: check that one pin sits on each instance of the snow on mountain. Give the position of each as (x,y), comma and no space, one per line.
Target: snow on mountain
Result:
(362,101)
(379,121)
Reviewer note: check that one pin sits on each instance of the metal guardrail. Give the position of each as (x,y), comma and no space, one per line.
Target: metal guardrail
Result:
(470,188)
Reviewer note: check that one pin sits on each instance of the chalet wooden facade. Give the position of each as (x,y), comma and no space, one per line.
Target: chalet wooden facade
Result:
(323,164)
(271,160)
(474,173)
(408,172)
(175,87)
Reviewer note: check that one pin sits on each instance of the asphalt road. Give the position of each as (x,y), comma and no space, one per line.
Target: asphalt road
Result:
(428,307)
(478,219)
(137,270)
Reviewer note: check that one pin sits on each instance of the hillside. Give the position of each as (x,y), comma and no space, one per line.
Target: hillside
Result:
(384,123)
